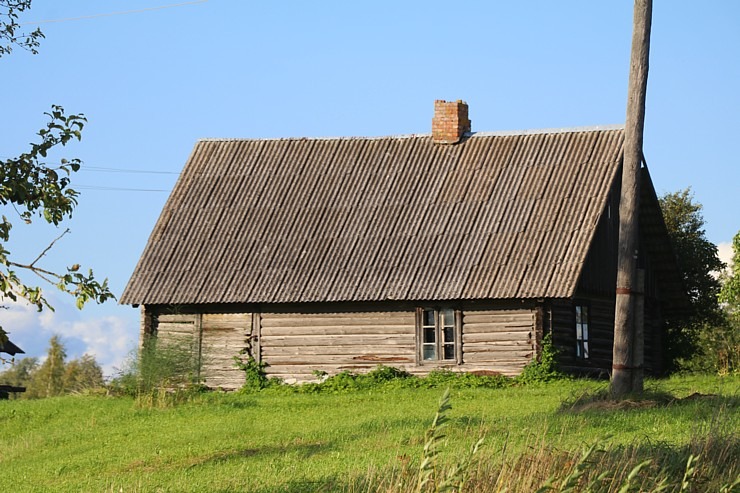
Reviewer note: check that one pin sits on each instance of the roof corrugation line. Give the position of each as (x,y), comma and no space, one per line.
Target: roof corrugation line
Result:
(500,215)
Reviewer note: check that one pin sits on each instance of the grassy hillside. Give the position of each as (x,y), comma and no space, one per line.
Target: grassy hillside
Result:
(364,441)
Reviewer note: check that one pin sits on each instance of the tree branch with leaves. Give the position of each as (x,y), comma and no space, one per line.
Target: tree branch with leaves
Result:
(10,35)
(30,188)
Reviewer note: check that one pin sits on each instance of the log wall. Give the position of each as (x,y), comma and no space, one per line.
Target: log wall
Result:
(176,328)
(498,340)
(601,335)
(215,338)
(295,342)
(294,345)
(224,337)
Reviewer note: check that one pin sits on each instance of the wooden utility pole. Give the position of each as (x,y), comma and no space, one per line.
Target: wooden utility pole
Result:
(623,361)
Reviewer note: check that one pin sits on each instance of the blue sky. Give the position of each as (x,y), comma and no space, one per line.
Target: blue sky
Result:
(153,80)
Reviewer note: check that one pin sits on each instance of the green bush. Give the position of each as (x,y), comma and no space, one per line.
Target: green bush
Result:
(380,378)
(544,368)
(255,376)
(717,349)
(382,373)
(387,377)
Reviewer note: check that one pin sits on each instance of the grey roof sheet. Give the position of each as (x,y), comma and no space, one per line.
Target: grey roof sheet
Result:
(394,218)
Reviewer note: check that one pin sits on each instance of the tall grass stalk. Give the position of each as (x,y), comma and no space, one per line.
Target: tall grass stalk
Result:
(705,464)
(161,375)
(546,470)
(430,475)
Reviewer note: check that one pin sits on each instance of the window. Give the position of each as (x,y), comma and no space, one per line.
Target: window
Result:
(439,336)
(582,331)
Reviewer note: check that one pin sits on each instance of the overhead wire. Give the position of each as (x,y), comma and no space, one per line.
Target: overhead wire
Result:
(105,169)
(122,170)
(119,189)
(108,169)
(110,14)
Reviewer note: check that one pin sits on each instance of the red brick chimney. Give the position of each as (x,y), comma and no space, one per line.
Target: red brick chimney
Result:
(450,121)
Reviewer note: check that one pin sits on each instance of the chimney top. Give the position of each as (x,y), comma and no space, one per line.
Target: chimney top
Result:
(450,121)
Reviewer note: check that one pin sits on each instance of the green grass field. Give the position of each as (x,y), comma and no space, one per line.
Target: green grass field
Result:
(362,441)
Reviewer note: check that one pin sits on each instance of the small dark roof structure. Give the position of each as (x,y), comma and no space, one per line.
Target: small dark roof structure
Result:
(9,348)
(497,216)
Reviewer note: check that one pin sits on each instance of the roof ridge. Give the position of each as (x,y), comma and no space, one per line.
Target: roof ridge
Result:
(555,130)
(594,128)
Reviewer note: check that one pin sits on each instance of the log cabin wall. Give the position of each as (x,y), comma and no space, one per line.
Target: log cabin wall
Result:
(503,340)
(224,337)
(600,334)
(599,274)
(296,341)
(216,335)
(596,290)
(654,340)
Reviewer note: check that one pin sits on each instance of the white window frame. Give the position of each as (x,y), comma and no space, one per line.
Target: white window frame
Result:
(438,335)
(582,324)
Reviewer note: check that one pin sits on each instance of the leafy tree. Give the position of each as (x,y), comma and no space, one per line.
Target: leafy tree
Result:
(30,188)
(20,374)
(697,257)
(723,345)
(82,374)
(48,379)
(55,376)
(698,261)
(730,292)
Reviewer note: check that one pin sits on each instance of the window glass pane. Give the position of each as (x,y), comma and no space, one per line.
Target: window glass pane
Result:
(584,314)
(579,332)
(429,351)
(585,349)
(438,334)
(585,332)
(449,318)
(449,350)
(578,315)
(449,334)
(429,335)
(579,352)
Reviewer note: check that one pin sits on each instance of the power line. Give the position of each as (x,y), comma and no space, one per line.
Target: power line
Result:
(117,170)
(121,170)
(107,169)
(110,14)
(117,189)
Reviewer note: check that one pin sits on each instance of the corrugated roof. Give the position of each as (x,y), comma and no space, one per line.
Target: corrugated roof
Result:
(396,218)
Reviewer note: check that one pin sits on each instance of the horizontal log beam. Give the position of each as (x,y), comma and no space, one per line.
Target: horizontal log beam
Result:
(338,330)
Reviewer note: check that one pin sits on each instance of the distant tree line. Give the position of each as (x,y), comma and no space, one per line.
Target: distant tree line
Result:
(55,376)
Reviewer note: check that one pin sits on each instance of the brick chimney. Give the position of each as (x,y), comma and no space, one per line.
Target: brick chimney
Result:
(450,121)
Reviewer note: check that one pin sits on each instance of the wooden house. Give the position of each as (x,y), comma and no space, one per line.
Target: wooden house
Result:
(455,250)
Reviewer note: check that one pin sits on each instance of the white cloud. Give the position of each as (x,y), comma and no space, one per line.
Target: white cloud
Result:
(108,337)
(724,251)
